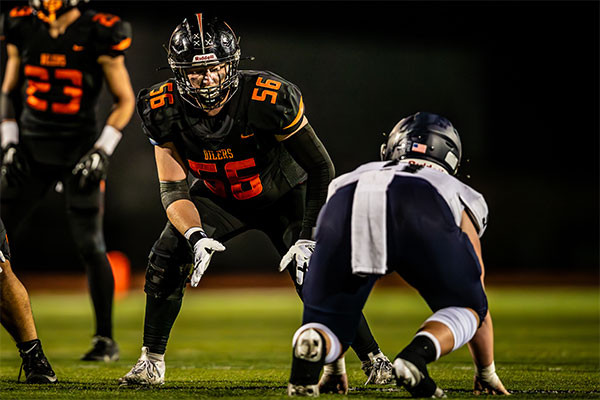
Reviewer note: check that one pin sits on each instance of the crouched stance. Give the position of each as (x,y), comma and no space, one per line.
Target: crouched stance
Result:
(406,214)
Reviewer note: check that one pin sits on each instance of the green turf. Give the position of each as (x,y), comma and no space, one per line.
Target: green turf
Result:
(237,344)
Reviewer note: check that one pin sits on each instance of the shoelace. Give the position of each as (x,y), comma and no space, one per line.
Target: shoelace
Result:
(145,365)
(376,366)
(31,358)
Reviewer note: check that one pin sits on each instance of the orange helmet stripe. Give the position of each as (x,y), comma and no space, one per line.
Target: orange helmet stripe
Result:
(201,29)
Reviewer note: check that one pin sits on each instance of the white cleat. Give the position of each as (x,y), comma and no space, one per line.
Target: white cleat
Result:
(303,390)
(378,369)
(413,380)
(145,372)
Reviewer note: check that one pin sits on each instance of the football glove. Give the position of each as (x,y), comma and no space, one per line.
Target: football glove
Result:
(15,167)
(299,254)
(91,169)
(487,381)
(203,251)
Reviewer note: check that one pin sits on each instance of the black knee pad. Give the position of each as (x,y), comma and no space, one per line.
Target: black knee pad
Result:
(166,277)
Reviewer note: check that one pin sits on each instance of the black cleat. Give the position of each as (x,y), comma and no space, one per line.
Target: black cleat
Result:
(103,349)
(36,366)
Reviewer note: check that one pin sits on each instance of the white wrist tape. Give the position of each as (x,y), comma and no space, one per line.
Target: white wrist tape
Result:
(486,372)
(338,367)
(108,140)
(9,133)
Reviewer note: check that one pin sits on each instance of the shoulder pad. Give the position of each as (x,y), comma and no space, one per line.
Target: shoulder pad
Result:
(113,35)
(275,105)
(10,22)
(476,208)
(160,111)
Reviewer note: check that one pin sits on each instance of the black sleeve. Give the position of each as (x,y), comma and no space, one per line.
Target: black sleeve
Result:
(308,151)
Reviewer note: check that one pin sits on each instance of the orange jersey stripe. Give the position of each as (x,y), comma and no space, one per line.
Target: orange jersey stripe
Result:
(124,44)
(298,116)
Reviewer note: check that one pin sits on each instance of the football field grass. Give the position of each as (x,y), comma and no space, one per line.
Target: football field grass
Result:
(237,344)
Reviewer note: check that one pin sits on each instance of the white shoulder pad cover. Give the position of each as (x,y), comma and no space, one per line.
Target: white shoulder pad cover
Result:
(476,207)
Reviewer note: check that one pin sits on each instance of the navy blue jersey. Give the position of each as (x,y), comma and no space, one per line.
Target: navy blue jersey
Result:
(62,79)
(237,154)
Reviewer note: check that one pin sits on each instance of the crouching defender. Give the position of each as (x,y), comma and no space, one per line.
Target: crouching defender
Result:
(409,215)
(17,319)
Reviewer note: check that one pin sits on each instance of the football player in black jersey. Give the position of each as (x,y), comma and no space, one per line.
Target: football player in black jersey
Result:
(17,319)
(62,55)
(257,164)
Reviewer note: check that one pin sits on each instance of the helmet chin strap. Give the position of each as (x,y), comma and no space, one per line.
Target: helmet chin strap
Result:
(424,163)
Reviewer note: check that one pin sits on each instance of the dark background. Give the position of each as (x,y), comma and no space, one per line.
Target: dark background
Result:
(519,80)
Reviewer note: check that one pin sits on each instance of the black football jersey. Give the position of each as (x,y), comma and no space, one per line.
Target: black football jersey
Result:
(62,79)
(237,153)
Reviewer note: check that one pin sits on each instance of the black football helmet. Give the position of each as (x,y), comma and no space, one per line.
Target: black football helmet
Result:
(49,10)
(201,41)
(424,136)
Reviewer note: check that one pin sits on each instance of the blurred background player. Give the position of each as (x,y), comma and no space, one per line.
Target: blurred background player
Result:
(61,56)
(406,214)
(17,319)
(258,164)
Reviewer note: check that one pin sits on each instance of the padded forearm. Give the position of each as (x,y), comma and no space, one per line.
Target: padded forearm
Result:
(308,151)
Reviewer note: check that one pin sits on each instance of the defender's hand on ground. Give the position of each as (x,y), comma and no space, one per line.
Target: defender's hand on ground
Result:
(203,251)
(487,382)
(301,251)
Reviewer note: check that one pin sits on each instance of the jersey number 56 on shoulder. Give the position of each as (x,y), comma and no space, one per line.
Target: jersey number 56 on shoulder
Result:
(159,97)
(266,88)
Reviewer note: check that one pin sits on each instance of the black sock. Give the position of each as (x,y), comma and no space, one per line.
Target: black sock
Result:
(364,342)
(159,319)
(421,351)
(101,283)
(27,346)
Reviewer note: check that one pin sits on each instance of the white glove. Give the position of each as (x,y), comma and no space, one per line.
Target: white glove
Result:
(203,251)
(300,252)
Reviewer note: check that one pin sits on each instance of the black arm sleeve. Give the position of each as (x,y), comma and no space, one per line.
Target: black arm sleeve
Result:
(308,151)
(7,110)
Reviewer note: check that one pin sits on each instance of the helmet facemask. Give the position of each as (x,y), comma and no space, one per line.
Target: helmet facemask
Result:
(200,94)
